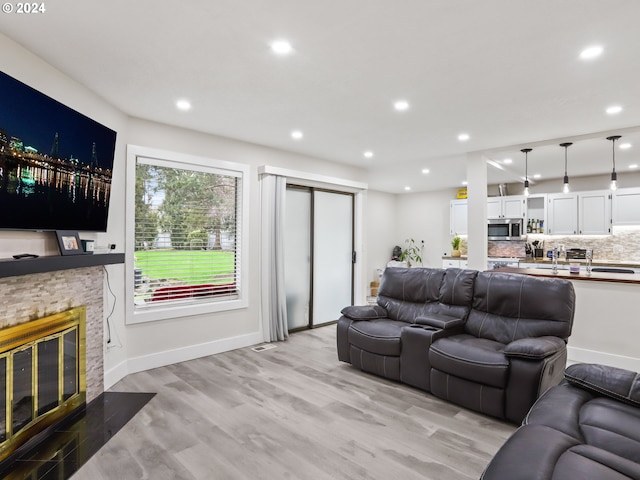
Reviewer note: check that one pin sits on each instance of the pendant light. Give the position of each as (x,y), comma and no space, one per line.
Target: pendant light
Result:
(526,170)
(614,175)
(565,187)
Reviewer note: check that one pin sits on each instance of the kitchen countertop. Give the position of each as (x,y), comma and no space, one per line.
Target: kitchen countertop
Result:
(593,277)
(547,261)
(595,263)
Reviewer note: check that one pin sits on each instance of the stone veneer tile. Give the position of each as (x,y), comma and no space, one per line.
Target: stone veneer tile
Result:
(623,246)
(29,297)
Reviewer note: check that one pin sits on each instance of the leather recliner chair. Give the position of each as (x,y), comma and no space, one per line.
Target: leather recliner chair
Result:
(512,349)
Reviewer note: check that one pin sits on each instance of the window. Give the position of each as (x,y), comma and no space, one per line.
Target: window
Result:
(186,235)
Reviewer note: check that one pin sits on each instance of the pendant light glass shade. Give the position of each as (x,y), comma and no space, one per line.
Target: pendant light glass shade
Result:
(614,175)
(526,170)
(565,181)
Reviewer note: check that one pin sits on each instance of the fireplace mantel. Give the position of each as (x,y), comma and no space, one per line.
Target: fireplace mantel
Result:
(26,266)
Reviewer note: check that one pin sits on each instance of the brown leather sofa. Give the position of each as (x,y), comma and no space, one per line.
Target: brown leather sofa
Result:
(586,428)
(492,342)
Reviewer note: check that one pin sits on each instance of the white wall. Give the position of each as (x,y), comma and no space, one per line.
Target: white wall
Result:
(381,237)
(425,216)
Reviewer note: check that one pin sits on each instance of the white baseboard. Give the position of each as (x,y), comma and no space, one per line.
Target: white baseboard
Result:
(582,355)
(169,357)
(115,374)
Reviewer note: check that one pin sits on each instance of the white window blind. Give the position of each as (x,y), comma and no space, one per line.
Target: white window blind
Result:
(187,234)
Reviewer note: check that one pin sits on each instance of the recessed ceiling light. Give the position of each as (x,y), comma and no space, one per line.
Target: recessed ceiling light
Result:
(624,146)
(536,175)
(407,188)
(296,134)
(425,171)
(401,105)
(613,109)
(464,182)
(183,105)
(368,154)
(507,161)
(633,165)
(591,52)
(281,47)
(463,137)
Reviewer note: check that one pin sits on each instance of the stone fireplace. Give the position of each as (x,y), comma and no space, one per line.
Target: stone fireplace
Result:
(27,298)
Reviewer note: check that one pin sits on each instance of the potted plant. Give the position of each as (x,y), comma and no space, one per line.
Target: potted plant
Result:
(455,245)
(411,253)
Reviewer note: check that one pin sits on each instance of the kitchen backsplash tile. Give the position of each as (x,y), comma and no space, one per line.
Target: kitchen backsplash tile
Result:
(622,246)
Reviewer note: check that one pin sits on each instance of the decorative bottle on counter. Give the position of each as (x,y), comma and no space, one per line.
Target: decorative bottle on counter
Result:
(529,225)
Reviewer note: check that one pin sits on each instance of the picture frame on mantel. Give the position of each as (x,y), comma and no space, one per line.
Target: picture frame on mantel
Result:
(69,242)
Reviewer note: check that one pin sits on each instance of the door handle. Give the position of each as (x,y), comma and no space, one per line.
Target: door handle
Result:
(353,257)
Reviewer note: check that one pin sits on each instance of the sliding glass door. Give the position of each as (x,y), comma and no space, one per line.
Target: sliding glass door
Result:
(319,255)
(297,259)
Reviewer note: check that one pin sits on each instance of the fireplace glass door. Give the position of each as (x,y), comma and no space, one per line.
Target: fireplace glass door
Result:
(48,375)
(22,405)
(43,373)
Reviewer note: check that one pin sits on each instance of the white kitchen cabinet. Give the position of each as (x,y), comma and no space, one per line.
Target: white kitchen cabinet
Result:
(581,213)
(494,207)
(451,263)
(562,214)
(626,207)
(458,217)
(594,212)
(513,206)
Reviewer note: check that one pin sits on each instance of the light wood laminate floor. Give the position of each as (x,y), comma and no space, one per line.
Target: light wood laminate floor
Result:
(292,412)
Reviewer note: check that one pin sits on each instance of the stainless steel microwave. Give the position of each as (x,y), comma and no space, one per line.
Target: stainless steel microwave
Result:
(505,229)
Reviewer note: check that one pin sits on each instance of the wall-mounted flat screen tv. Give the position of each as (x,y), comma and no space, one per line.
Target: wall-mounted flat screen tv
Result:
(55,163)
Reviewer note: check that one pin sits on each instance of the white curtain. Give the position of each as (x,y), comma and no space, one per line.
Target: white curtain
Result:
(273,305)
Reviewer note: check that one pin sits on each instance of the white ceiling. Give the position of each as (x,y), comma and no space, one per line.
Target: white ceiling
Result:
(506,72)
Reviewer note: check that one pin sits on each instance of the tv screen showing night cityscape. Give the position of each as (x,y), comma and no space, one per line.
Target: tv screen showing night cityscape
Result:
(55,163)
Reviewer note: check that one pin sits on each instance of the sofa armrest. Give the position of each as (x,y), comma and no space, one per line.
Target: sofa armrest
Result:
(443,322)
(535,348)
(364,312)
(617,383)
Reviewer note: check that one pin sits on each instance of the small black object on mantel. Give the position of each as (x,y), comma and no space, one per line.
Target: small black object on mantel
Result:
(25,255)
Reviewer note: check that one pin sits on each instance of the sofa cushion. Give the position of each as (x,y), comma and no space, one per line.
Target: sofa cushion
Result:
(507,307)
(413,285)
(617,383)
(477,359)
(585,461)
(380,336)
(613,426)
(457,287)
(405,293)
